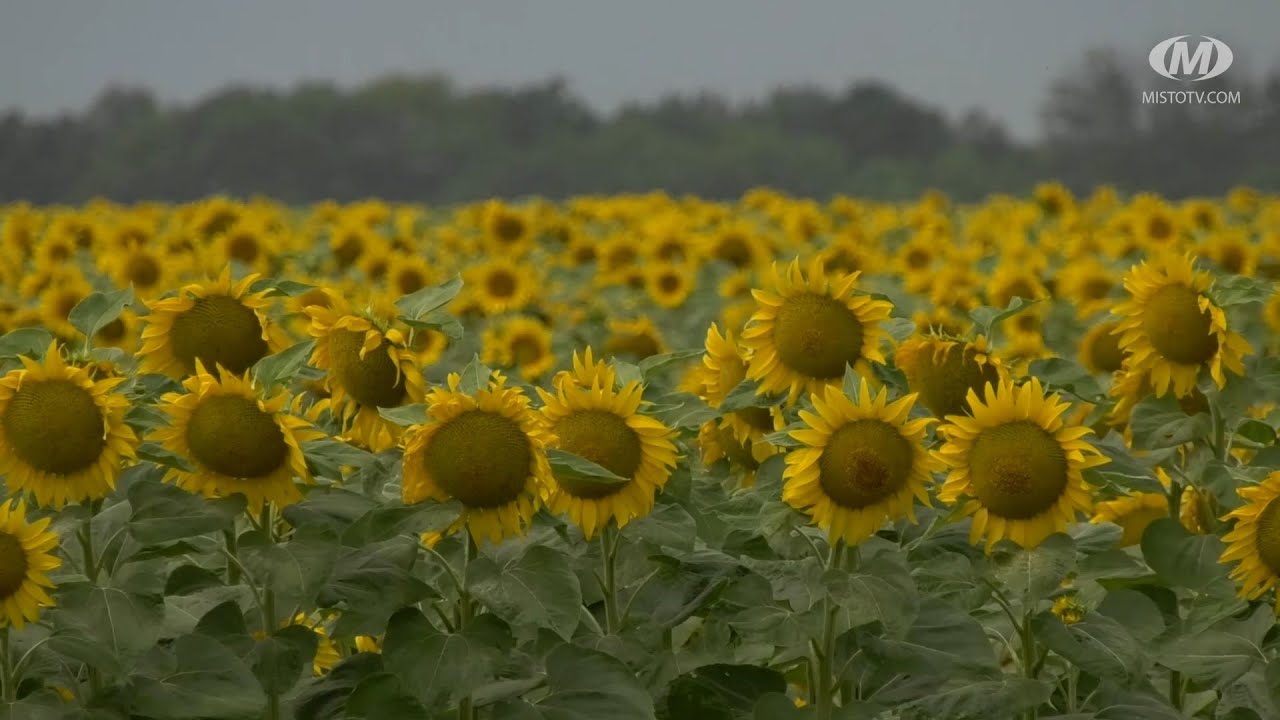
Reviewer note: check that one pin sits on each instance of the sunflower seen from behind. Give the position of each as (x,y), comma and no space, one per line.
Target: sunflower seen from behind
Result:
(236,439)
(808,329)
(942,371)
(28,553)
(1254,542)
(485,449)
(369,366)
(63,436)
(1172,329)
(863,462)
(1015,465)
(219,324)
(590,417)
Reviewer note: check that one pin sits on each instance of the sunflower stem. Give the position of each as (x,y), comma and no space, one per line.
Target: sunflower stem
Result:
(269,604)
(466,710)
(1176,690)
(91,572)
(10,682)
(233,549)
(825,700)
(1029,668)
(609,551)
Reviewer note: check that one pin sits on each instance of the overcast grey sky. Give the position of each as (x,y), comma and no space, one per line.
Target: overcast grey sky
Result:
(57,55)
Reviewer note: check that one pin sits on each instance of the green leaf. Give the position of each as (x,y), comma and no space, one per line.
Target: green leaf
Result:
(295,570)
(626,373)
(721,692)
(900,329)
(986,318)
(474,377)
(283,659)
(1097,645)
(326,697)
(1066,376)
(387,522)
(372,582)
(866,598)
(39,705)
(1160,423)
(744,395)
(440,321)
(280,288)
(776,706)
(1257,431)
(942,640)
(1182,559)
(28,341)
(655,364)
(1032,575)
(536,589)
(428,299)
(1212,657)
(98,310)
(682,410)
(328,509)
(852,383)
(1230,290)
(201,678)
(327,457)
(81,648)
(280,368)
(405,415)
(442,668)
(988,699)
(576,469)
(163,512)
(126,624)
(589,685)
(380,697)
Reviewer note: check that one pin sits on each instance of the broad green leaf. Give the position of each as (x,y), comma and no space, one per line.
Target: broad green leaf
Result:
(577,470)
(326,696)
(295,570)
(474,377)
(1230,290)
(126,624)
(28,341)
(744,395)
(987,318)
(284,658)
(589,685)
(682,410)
(626,373)
(1032,575)
(163,512)
(866,598)
(98,310)
(390,521)
(200,678)
(405,415)
(536,589)
(328,509)
(438,668)
(380,697)
(656,364)
(1161,423)
(1097,645)
(987,699)
(1212,657)
(280,288)
(282,367)
(439,321)
(776,706)
(1257,432)
(1061,374)
(900,329)
(75,645)
(1182,559)
(327,457)
(39,705)
(428,299)
(942,641)
(371,582)
(721,692)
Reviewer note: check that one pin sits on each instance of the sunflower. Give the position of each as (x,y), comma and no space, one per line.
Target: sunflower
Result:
(1015,465)
(501,285)
(669,284)
(508,230)
(1172,329)
(740,431)
(144,268)
(1133,513)
(808,330)
(486,450)
(523,343)
(408,274)
(943,371)
(1011,281)
(863,462)
(592,418)
(236,439)
(62,434)
(1254,542)
(1088,285)
(638,338)
(349,241)
(737,244)
(28,552)
(369,367)
(220,324)
(65,291)
(1100,351)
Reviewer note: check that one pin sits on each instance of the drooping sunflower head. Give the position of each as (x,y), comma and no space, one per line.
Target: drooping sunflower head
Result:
(369,366)
(863,462)
(1133,513)
(1016,465)
(603,424)
(1254,542)
(1100,351)
(62,433)
(808,330)
(942,371)
(1173,330)
(235,439)
(28,552)
(484,449)
(221,324)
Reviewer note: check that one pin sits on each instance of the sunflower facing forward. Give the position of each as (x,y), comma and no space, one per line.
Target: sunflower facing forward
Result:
(1016,465)
(220,325)
(27,554)
(485,450)
(1172,329)
(863,462)
(63,433)
(368,367)
(808,330)
(236,440)
(1254,542)
(592,418)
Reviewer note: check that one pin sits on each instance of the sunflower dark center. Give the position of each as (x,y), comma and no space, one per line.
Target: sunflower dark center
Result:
(945,379)
(349,249)
(525,349)
(66,301)
(918,258)
(244,247)
(1178,328)
(1096,288)
(508,228)
(639,344)
(604,439)
(408,281)
(143,270)
(1268,541)
(817,336)
(1105,352)
(112,332)
(13,565)
(501,284)
(1018,470)
(864,462)
(734,249)
(1231,258)
(481,458)
(1159,228)
(669,282)
(757,417)
(218,330)
(371,380)
(55,427)
(230,435)
(59,252)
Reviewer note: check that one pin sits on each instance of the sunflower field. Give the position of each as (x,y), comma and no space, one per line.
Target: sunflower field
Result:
(639,457)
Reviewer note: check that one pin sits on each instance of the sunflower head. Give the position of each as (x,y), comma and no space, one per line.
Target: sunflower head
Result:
(808,330)
(1100,351)
(1254,541)
(27,555)
(1133,513)
(62,432)
(1015,465)
(522,343)
(943,371)
(486,450)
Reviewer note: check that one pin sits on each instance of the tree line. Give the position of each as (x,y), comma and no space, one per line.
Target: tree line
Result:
(423,138)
